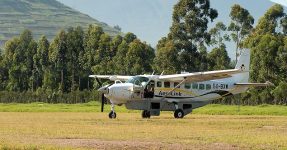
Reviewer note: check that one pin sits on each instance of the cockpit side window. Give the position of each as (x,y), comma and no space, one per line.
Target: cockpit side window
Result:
(138,80)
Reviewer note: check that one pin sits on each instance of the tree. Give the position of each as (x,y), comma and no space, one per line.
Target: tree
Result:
(87,57)
(240,26)
(266,44)
(269,22)
(218,58)
(58,59)
(166,57)
(116,41)
(189,30)
(281,60)
(283,23)
(75,45)
(41,60)
(129,37)
(119,60)
(217,39)
(280,93)
(19,60)
(91,45)
(103,56)
(139,58)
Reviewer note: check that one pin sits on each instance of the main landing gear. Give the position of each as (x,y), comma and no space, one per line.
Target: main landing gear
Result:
(178,113)
(112,114)
(146,114)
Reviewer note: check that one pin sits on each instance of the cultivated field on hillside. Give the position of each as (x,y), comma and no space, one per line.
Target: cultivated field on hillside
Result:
(93,130)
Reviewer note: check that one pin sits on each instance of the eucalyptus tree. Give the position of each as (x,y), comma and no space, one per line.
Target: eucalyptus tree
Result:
(218,58)
(139,58)
(41,61)
(58,59)
(189,30)
(75,45)
(166,57)
(266,43)
(240,26)
(119,59)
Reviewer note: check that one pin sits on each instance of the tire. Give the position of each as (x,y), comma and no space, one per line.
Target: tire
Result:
(146,114)
(178,113)
(112,115)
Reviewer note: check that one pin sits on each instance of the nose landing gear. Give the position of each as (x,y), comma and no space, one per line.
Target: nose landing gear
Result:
(112,114)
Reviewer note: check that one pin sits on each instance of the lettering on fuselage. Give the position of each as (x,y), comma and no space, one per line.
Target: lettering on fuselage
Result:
(220,86)
(161,93)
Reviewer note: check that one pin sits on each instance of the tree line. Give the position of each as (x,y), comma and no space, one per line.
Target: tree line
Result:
(63,65)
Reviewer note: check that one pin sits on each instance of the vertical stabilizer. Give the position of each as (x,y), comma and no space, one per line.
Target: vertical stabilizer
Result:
(244,65)
(244,61)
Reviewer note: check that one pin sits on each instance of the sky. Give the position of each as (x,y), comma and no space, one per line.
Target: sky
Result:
(150,20)
(282,2)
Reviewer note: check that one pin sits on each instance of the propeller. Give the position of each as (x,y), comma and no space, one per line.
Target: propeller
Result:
(102,95)
(103,102)
(103,90)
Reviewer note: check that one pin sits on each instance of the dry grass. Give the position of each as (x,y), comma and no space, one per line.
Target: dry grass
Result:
(95,131)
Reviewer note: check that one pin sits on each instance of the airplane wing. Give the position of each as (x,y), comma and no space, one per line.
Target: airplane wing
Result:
(255,84)
(111,77)
(201,76)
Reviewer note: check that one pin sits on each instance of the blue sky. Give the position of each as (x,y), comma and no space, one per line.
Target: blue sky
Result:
(150,19)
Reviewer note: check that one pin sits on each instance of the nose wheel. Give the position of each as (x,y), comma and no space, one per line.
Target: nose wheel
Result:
(113,114)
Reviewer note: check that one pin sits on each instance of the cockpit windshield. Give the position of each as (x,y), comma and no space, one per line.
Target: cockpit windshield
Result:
(138,80)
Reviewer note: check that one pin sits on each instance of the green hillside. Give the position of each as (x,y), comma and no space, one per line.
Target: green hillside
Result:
(42,17)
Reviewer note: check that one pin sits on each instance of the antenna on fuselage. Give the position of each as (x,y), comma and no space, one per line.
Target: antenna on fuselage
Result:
(161,73)
(152,73)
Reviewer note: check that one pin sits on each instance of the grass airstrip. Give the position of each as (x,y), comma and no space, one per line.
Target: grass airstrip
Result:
(82,126)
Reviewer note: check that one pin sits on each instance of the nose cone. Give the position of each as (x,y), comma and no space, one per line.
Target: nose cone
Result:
(104,89)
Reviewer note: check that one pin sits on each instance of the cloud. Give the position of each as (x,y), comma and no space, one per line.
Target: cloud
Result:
(282,2)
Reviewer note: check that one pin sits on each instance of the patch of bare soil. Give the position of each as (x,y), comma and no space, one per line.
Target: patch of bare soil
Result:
(134,145)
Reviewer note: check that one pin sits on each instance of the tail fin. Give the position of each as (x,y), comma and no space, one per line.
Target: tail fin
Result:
(244,65)
(244,60)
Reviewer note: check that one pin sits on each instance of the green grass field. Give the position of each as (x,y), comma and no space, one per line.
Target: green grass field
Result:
(274,110)
(82,126)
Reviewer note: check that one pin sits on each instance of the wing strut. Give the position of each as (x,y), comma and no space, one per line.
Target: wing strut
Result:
(174,89)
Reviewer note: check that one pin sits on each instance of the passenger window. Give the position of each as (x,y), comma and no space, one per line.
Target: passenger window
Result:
(167,84)
(208,87)
(159,84)
(187,86)
(194,86)
(175,84)
(201,86)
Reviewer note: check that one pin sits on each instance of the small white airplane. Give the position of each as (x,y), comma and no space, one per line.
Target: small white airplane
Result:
(180,93)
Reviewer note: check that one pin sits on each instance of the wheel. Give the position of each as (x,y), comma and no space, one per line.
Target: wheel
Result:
(146,114)
(112,115)
(178,113)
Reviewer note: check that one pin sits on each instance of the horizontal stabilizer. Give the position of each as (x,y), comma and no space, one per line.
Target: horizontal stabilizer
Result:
(255,84)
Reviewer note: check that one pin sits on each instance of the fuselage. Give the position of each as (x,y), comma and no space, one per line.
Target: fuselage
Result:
(150,88)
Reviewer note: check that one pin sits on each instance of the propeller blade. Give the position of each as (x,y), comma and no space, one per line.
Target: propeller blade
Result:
(99,82)
(103,102)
